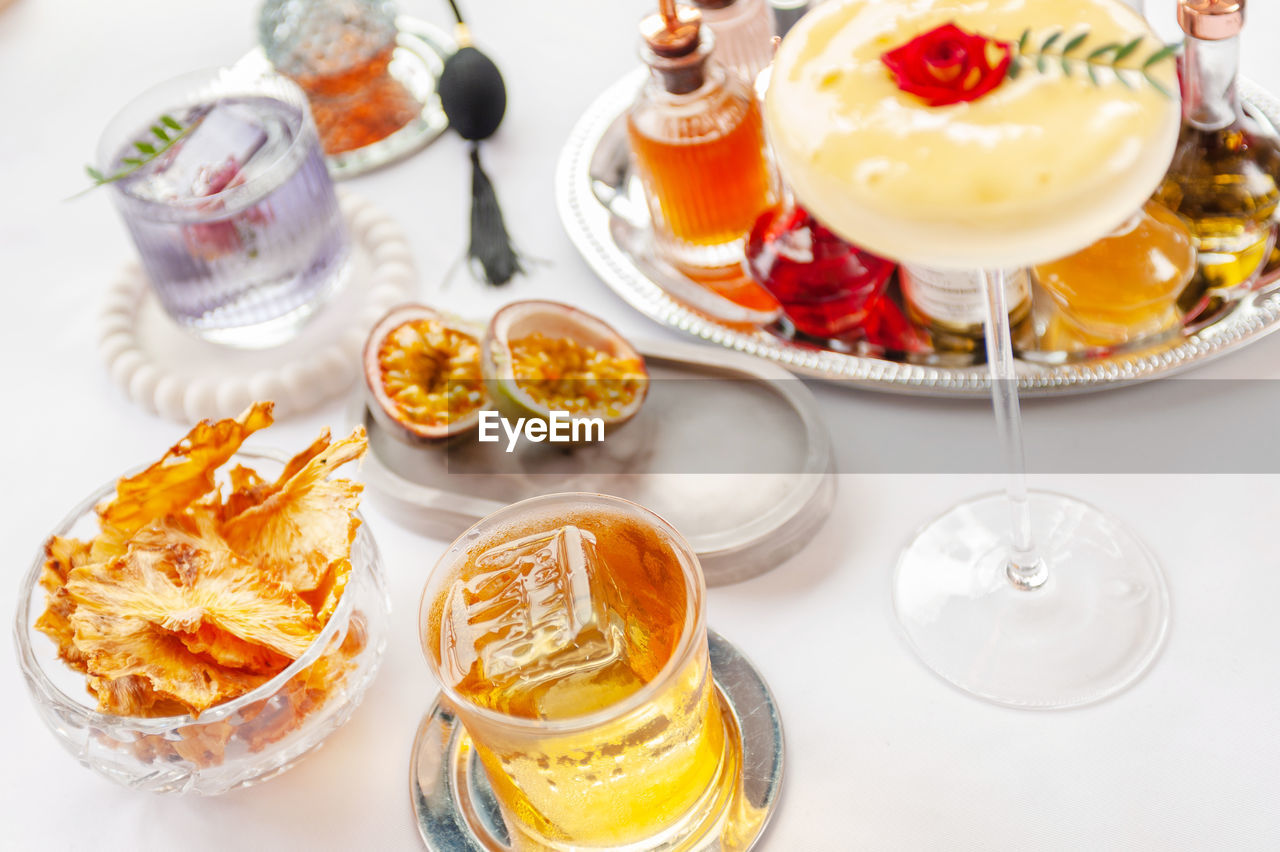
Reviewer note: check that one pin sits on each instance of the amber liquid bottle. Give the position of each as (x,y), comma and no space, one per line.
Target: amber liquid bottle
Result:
(1222,180)
(698,145)
(1125,287)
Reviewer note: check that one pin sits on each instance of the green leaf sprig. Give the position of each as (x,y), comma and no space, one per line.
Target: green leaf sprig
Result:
(167,132)
(1108,58)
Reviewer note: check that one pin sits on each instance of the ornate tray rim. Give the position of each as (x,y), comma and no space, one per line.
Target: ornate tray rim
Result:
(586,221)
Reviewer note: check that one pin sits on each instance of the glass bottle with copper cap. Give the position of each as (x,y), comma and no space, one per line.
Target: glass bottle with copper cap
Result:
(1222,181)
(699,148)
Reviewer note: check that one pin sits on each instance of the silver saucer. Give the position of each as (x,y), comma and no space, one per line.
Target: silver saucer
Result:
(418,60)
(457,812)
(602,207)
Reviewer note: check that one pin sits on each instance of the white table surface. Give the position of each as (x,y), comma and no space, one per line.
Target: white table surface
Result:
(881,755)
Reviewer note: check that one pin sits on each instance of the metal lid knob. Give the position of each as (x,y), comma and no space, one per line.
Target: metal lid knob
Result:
(1211,20)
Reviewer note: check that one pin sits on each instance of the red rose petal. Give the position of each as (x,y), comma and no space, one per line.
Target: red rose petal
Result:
(948,65)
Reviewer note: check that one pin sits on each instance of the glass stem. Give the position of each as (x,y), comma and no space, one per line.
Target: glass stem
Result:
(1026,570)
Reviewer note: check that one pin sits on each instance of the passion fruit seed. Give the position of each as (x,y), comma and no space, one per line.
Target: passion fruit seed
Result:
(431,373)
(566,375)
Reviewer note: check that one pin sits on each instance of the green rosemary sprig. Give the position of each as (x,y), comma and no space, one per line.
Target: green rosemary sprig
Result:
(167,132)
(1110,57)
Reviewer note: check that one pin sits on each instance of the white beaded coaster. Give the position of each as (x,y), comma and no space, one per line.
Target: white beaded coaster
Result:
(169,371)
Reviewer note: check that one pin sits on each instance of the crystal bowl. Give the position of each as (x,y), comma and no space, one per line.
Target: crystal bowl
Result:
(234,744)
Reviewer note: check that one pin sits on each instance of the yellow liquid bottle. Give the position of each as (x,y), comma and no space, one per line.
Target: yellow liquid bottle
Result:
(1223,178)
(1125,287)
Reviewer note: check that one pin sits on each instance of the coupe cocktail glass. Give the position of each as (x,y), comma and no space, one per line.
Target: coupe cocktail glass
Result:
(568,633)
(1029,599)
(237,224)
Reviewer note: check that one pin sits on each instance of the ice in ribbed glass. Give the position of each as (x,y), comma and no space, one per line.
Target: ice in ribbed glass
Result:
(236,223)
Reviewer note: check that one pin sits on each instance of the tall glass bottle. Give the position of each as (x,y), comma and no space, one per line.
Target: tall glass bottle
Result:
(951,304)
(1222,180)
(698,146)
(744,31)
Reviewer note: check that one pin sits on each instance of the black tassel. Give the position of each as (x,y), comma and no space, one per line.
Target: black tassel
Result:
(490,243)
(474,98)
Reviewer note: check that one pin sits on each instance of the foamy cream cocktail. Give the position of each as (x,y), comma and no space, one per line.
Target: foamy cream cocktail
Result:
(1040,166)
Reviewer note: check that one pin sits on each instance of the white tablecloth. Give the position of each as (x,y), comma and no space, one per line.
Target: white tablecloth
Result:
(881,754)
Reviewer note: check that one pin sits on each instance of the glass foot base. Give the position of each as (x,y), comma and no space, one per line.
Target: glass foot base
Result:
(1091,630)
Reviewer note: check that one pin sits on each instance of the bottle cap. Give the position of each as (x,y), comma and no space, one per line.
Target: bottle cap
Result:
(1211,20)
(674,32)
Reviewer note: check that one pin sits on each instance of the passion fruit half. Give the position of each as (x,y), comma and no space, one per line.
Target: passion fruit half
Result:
(425,375)
(545,356)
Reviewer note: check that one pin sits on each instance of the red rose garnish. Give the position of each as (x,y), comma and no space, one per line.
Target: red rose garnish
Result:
(948,65)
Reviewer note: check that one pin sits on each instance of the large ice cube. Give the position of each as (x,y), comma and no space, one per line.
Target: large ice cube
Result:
(225,138)
(537,609)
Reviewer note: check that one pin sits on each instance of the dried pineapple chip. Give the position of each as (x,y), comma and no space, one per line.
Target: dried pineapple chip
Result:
(204,745)
(249,489)
(180,478)
(229,650)
(185,600)
(302,459)
(62,555)
(133,695)
(297,532)
(182,580)
(324,598)
(118,648)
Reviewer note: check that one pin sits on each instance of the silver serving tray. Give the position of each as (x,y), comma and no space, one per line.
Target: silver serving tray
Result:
(602,209)
(740,524)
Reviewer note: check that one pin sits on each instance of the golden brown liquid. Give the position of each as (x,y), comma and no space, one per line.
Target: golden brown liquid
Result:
(1125,287)
(1224,184)
(359,105)
(706,182)
(643,773)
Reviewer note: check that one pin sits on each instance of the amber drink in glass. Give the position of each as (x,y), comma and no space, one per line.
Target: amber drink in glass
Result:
(568,633)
